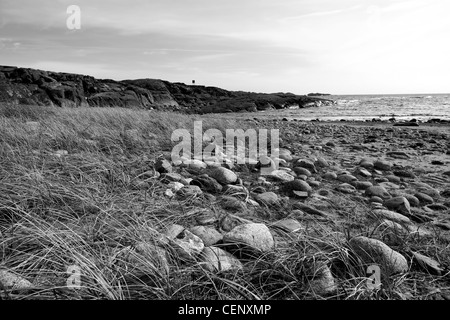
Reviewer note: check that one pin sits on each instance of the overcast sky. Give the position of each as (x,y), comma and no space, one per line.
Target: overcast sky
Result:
(299,46)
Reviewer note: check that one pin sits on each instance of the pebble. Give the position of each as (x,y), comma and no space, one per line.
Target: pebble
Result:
(378,191)
(224,176)
(254,236)
(215,259)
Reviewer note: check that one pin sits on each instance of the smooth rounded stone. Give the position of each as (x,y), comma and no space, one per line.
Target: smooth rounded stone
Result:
(302,177)
(173,231)
(330,176)
(363,172)
(189,192)
(433,193)
(373,251)
(170,177)
(281,175)
(325,284)
(232,204)
(321,163)
(302,171)
(346,178)
(285,157)
(163,166)
(209,236)
(424,198)
(413,201)
(377,191)
(394,179)
(304,163)
(207,184)
(313,183)
(228,222)
(382,165)
(215,259)
(297,185)
(255,236)
(391,215)
(381,180)
(175,186)
(223,175)
(404,174)
(12,281)
(325,193)
(397,154)
(188,246)
(288,225)
(389,186)
(267,198)
(375,199)
(206,218)
(391,232)
(196,164)
(346,188)
(427,264)
(365,163)
(361,185)
(399,204)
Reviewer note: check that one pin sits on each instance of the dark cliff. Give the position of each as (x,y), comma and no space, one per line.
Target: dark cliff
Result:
(37,87)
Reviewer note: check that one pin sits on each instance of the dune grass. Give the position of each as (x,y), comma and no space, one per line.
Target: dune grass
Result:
(101,208)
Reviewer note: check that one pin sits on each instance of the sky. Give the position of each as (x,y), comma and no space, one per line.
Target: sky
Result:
(298,46)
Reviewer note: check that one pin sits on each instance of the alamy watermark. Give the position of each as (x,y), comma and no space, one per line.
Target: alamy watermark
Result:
(73,22)
(235,147)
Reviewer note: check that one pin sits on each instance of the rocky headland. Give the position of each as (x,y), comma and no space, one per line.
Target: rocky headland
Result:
(37,87)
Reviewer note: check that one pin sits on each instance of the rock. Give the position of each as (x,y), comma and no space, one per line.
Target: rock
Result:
(373,251)
(365,163)
(175,186)
(170,177)
(399,204)
(413,201)
(288,225)
(163,166)
(376,199)
(321,163)
(302,171)
(404,174)
(229,222)
(377,191)
(14,282)
(392,232)
(394,179)
(346,188)
(429,265)
(232,204)
(424,198)
(297,185)
(215,259)
(346,178)
(267,198)
(330,176)
(391,215)
(310,210)
(196,165)
(304,163)
(281,175)
(406,124)
(254,236)
(382,165)
(207,184)
(188,246)
(362,185)
(363,172)
(224,176)
(326,284)
(173,231)
(209,236)
(189,192)
(437,207)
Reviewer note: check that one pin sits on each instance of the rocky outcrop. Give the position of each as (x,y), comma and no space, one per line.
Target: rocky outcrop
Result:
(37,87)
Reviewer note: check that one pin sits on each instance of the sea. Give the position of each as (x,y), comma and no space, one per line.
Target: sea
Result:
(421,107)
